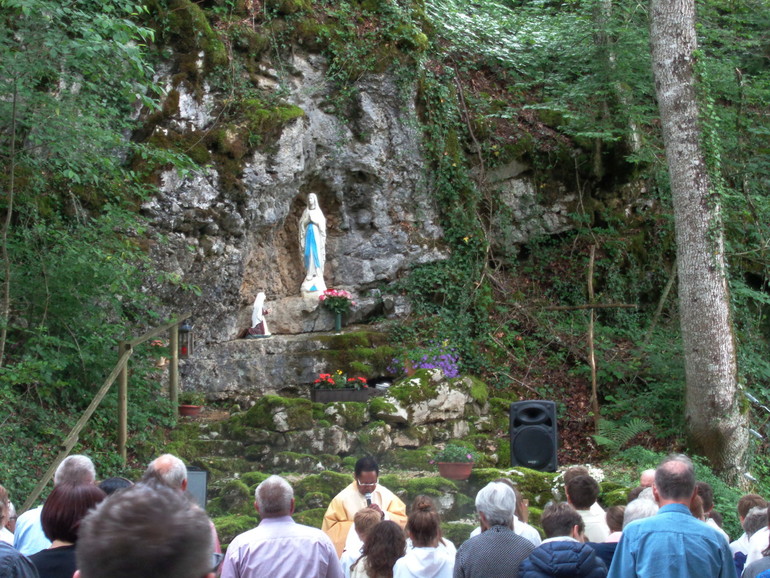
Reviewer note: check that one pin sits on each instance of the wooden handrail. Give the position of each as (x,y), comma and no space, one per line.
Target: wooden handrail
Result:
(126,349)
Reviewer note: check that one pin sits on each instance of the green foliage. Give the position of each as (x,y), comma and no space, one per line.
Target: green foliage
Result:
(614,435)
(454,452)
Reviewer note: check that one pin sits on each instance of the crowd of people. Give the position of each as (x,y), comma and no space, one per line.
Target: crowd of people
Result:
(117,529)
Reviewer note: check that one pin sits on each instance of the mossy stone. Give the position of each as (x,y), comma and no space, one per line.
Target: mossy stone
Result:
(313,518)
(316,500)
(380,407)
(374,438)
(457,532)
(228,527)
(413,389)
(408,459)
(330,483)
(280,413)
(353,414)
(499,409)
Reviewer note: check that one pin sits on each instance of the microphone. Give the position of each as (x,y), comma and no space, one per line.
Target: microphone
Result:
(368,496)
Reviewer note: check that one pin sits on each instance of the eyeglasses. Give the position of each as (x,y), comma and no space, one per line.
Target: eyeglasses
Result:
(374,483)
(216,560)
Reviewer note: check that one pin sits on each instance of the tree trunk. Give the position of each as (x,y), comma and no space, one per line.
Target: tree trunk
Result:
(716,427)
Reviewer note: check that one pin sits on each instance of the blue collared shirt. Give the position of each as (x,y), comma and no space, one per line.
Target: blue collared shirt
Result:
(672,544)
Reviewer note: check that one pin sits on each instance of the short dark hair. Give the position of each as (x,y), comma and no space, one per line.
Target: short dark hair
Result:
(153,532)
(366,464)
(706,493)
(112,485)
(614,518)
(675,478)
(582,491)
(574,472)
(65,508)
(559,518)
(749,501)
(633,494)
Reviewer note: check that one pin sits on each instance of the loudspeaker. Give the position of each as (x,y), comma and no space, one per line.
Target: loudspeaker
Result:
(534,435)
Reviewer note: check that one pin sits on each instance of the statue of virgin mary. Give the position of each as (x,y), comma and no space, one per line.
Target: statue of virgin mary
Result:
(312,243)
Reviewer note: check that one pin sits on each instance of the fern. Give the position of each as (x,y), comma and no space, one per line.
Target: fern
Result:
(614,435)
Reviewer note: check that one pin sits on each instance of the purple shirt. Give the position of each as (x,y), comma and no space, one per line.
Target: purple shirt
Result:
(281,548)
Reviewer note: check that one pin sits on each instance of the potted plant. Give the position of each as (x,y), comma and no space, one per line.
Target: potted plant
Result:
(337,386)
(191,403)
(338,301)
(455,462)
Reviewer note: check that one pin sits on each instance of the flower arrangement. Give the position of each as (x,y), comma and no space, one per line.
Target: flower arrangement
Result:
(337,300)
(454,453)
(339,379)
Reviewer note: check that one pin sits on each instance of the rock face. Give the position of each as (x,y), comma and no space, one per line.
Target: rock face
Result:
(222,243)
(369,178)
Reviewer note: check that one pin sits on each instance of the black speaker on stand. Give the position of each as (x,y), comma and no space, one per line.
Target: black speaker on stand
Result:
(534,435)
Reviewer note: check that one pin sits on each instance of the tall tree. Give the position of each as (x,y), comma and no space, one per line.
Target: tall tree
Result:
(716,427)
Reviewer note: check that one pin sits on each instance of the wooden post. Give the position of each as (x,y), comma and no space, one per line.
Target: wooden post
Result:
(591,350)
(123,346)
(173,367)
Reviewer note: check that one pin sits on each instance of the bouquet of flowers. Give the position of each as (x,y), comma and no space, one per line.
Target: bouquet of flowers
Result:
(336,300)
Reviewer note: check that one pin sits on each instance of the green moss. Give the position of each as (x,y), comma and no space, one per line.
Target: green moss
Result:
(372,437)
(228,527)
(295,413)
(457,532)
(379,406)
(313,518)
(329,483)
(431,486)
(504,453)
(415,388)
(408,459)
(354,414)
(478,390)
(235,497)
(499,409)
(253,479)
(192,32)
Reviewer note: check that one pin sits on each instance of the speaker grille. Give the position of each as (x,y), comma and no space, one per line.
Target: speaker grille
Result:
(533,447)
(534,434)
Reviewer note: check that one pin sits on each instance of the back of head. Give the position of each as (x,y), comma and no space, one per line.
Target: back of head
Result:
(675,479)
(366,464)
(574,472)
(582,492)
(755,520)
(112,485)
(749,502)
(148,532)
(559,519)
(364,520)
(614,518)
(497,502)
(706,493)
(65,508)
(696,507)
(273,497)
(424,524)
(385,543)
(638,509)
(75,470)
(167,470)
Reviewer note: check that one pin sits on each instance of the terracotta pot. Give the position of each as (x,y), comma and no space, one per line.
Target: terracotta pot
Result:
(189,410)
(455,470)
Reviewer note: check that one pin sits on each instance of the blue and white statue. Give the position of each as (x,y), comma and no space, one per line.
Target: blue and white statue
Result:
(312,243)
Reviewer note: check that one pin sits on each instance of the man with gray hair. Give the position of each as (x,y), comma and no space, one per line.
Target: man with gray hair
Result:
(29,538)
(279,547)
(498,550)
(672,543)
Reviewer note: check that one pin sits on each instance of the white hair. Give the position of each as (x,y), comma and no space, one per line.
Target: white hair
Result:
(497,501)
(638,509)
(75,470)
(273,497)
(170,469)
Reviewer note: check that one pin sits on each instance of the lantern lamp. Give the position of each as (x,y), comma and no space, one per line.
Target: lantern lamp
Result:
(186,345)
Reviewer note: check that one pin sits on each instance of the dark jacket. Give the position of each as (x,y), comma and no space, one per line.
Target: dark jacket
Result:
(562,559)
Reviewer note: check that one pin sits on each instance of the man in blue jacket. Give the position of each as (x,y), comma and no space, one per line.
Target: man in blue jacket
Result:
(673,543)
(563,552)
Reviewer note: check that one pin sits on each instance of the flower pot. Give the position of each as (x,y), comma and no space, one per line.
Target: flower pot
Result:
(340,394)
(189,410)
(455,470)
